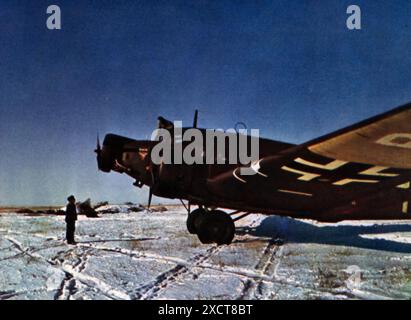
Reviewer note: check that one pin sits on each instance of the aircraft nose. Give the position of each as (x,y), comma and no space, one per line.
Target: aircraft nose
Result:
(112,149)
(105,159)
(107,154)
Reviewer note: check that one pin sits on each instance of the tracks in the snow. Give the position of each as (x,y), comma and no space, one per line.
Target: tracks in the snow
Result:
(68,286)
(30,252)
(151,290)
(165,279)
(253,289)
(72,261)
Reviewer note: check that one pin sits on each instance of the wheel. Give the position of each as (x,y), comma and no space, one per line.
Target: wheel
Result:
(216,226)
(193,220)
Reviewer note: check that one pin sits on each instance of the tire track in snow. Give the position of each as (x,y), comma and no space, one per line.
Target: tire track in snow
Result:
(163,280)
(253,289)
(152,290)
(75,273)
(68,286)
(187,263)
(95,283)
(257,277)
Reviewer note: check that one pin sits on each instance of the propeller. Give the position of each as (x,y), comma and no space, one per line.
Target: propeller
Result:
(98,151)
(153,180)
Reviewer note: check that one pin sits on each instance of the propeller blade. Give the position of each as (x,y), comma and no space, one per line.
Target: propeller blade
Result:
(195,119)
(150,196)
(98,151)
(98,148)
(150,193)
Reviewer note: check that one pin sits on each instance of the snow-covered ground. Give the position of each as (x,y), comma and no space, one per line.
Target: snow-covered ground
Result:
(146,255)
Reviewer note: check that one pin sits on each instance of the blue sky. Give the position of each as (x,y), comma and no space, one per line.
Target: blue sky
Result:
(290,68)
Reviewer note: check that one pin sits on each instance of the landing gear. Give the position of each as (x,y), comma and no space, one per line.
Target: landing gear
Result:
(216,226)
(193,218)
(211,226)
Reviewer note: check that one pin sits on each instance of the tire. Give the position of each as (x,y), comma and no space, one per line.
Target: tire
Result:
(216,226)
(193,220)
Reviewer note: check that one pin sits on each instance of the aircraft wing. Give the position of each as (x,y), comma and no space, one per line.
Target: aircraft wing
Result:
(338,171)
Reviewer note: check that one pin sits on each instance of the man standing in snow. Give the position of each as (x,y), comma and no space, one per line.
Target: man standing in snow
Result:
(71,217)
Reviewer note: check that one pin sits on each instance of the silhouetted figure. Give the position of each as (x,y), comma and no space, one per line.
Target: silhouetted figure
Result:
(71,217)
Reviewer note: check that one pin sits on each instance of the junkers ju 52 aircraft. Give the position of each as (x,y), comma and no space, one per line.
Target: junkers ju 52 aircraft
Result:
(359,172)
